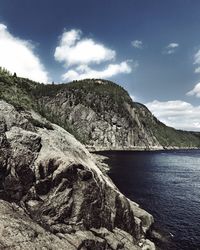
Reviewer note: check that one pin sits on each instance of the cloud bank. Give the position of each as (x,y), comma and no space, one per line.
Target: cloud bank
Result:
(177,114)
(18,56)
(79,55)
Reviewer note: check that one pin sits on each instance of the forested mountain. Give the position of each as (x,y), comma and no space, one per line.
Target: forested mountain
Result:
(98,112)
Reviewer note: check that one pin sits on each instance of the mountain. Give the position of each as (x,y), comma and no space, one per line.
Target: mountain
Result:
(97,112)
(104,117)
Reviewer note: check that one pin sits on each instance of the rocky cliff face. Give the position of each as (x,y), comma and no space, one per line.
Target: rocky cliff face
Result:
(98,119)
(98,113)
(53,194)
(103,116)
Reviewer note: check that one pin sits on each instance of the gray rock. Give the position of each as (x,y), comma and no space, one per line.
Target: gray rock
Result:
(64,200)
(19,231)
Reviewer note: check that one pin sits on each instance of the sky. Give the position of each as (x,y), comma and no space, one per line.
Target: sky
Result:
(150,47)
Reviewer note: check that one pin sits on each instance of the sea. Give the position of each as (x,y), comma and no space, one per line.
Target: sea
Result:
(167,185)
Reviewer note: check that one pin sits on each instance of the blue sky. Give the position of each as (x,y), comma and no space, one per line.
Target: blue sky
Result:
(150,47)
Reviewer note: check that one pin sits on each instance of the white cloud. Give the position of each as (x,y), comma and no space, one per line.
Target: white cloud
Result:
(137,44)
(172,45)
(18,56)
(195,91)
(197,57)
(177,114)
(84,71)
(197,70)
(171,48)
(80,55)
(74,50)
(197,61)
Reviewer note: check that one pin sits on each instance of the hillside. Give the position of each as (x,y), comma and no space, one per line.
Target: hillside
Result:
(99,113)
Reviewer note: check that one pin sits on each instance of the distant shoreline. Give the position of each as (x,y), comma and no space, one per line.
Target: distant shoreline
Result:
(137,149)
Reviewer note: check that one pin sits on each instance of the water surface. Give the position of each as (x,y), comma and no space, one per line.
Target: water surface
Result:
(167,184)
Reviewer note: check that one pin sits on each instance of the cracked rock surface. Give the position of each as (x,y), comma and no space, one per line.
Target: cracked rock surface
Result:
(53,195)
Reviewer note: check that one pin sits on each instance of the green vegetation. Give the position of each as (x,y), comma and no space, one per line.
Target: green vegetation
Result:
(15,90)
(101,87)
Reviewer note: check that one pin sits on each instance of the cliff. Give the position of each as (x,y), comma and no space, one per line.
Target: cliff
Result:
(103,116)
(98,113)
(53,194)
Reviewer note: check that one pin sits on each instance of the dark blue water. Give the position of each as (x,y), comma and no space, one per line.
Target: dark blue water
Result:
(167,184)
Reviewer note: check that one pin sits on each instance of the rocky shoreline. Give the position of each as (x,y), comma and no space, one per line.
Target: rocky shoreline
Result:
(54,194)
(136,148)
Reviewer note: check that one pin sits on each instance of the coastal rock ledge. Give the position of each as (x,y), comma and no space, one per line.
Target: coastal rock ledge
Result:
(53,194)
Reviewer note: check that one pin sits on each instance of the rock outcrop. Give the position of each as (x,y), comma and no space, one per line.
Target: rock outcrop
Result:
(53,195)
